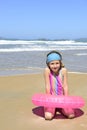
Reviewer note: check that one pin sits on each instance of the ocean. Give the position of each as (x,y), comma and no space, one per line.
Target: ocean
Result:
(26,57)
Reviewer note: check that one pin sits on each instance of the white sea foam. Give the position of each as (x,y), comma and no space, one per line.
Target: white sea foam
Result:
(81,54)
(20,45)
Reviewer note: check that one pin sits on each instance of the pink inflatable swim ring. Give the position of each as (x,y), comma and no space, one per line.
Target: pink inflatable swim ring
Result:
(58,101)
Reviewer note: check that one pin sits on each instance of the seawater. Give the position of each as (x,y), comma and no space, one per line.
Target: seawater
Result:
(24,57)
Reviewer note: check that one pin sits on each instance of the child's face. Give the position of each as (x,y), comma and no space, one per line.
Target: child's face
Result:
(54,65)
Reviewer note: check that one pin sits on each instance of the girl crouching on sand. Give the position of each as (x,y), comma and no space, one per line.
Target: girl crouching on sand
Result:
(56,83)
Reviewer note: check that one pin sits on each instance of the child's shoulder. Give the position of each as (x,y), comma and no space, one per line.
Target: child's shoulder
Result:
(47,70)
(64,70)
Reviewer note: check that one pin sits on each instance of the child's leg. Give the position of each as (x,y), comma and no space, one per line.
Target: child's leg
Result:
(69,112)
(49,113)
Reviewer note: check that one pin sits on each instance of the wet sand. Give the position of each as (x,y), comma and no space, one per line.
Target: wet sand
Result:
(18,113)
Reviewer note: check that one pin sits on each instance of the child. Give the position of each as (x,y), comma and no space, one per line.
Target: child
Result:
(56,82)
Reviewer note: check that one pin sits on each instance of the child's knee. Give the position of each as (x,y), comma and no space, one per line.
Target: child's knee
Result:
(48,116)
(69,113)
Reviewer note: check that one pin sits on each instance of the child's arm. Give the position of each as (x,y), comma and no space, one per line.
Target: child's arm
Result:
(47,81)
(65,84)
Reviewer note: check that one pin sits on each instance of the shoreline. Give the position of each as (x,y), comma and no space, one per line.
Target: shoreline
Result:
(34,73)
(29,70)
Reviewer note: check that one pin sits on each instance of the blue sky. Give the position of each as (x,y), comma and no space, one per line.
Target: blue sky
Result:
(53,19)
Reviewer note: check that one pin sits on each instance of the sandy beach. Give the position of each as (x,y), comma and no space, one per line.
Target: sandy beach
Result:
(18,113)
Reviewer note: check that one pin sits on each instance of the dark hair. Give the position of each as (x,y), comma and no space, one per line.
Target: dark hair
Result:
(61,64)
